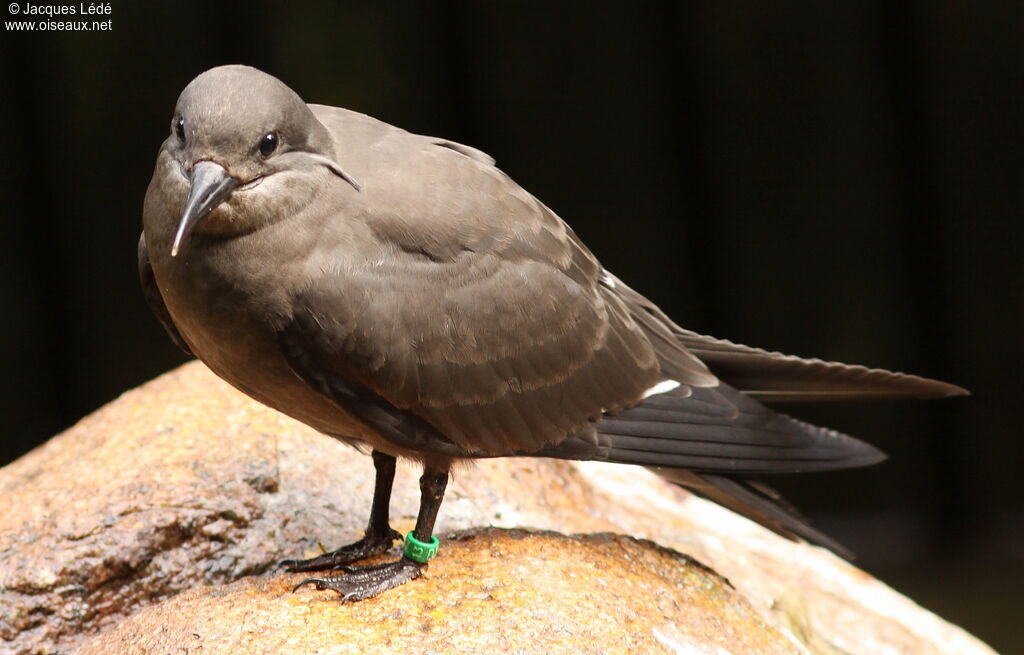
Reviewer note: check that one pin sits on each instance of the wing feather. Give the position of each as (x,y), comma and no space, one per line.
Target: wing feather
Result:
(481,313)
(776,377)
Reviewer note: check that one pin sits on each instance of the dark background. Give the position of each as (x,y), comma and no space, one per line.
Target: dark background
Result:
(842,181)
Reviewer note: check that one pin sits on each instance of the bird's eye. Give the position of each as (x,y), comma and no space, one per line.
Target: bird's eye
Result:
(179,129)
(268,144)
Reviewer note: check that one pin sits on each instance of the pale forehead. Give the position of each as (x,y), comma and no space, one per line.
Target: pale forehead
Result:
(238,97)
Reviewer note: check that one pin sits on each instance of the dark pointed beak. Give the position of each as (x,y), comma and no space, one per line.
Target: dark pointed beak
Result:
(211,185)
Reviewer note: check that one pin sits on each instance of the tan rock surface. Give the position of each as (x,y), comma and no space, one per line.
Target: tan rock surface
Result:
(494,590)
(185,482)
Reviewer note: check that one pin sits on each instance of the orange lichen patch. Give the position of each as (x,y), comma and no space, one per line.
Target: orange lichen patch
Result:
(496,590)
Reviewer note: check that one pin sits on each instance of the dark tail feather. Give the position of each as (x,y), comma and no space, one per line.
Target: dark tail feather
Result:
(775,377)
(757,502)
(719,430)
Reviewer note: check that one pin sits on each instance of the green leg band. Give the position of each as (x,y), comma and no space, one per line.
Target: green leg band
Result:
(418,551)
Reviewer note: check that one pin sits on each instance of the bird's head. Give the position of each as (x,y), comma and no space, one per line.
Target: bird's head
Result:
(247,149)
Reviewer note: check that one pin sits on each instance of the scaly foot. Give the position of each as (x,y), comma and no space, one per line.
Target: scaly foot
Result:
(362,582)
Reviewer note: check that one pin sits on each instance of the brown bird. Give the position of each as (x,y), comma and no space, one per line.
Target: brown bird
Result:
(402,294)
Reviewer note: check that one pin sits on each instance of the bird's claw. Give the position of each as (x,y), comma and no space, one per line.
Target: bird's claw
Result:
(368,546)
(313,581)
(362,582)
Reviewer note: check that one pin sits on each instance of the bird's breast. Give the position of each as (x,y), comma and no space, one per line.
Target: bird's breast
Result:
(229,299)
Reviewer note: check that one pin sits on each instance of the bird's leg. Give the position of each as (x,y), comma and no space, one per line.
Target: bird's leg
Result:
(378,537)
(361,582)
